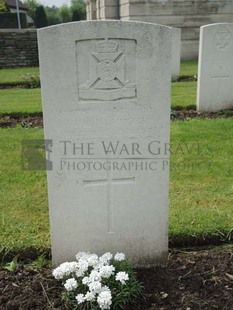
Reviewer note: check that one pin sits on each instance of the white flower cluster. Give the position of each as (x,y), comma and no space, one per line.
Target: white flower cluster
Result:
(65,270)
(71,284)
(122,277)
(90,271)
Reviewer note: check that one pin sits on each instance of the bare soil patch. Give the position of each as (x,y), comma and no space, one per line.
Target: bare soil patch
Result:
(192,280)
(9,121)
(36,120)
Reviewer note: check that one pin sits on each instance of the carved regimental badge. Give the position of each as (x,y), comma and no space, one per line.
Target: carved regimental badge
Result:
(223,39)
(107,81)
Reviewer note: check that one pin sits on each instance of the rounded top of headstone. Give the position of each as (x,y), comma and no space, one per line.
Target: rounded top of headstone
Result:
(106,23)
(216,25)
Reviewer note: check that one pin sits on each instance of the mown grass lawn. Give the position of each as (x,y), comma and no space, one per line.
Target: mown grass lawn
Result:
(23,204)
(184,95)
(16,75)
(19,100)
(201,186)
(188,67)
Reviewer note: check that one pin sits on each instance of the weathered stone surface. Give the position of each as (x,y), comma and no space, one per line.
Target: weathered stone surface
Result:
(176,43)
(215,72)
(189,15)
(107,83)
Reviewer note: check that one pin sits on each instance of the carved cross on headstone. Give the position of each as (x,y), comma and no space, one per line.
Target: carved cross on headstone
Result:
(109,182)
(220,77)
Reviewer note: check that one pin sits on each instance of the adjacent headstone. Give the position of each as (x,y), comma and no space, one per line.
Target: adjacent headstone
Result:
(176,43)
(106,104)
(215,71)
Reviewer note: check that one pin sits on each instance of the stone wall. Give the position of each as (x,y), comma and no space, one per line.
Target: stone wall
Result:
(18,48)
(102,9)
(189,15)
(91,9)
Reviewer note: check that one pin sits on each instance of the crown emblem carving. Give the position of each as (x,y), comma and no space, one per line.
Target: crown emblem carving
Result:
(106,46)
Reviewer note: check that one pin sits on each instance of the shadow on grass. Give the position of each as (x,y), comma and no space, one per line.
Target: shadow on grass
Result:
(219,238)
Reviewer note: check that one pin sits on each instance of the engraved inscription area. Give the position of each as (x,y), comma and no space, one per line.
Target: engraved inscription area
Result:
(221,77)
(223,39)
(107,74)
(109,182)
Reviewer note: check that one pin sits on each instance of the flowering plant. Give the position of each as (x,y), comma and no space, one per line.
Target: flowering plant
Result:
(92,282)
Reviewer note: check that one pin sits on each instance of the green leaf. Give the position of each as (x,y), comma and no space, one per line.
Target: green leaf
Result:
(12,266)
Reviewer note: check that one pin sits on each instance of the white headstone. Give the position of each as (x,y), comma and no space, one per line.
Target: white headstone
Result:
(176,43)
(215,71)
(107,83)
